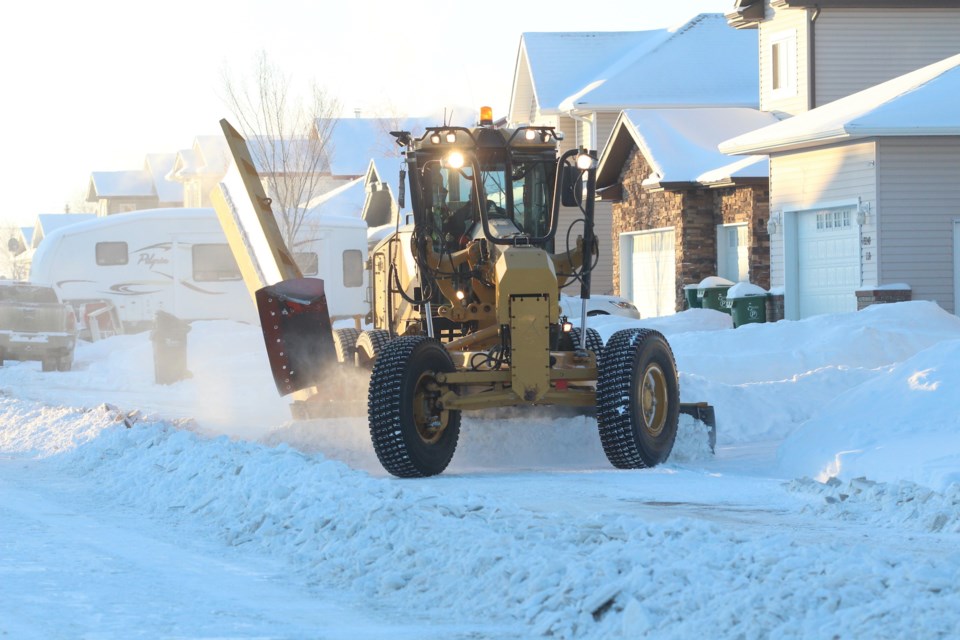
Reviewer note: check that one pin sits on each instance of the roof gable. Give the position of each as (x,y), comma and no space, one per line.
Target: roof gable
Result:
(159,166)
(680,145)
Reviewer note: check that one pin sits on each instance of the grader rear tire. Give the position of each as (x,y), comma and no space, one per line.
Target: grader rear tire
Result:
(413,437)
(594,341)
(638,399)
(345,343)
(369,345)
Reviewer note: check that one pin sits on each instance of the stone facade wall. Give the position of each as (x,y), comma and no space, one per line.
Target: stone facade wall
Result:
(640,209)
(750,204)
(867,297)
(695,213)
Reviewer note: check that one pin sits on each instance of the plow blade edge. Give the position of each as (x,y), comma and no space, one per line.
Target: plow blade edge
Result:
(297,332)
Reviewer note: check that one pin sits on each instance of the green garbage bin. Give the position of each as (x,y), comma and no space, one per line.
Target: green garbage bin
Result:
(691,294)
(712,292)
(748,304)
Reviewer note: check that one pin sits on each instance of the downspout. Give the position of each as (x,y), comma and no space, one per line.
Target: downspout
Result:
(812,61)
(593,128)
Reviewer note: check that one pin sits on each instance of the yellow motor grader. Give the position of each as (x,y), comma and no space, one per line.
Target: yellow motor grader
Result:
(465,305)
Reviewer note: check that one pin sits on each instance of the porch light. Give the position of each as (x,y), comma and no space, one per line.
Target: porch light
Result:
(773,223)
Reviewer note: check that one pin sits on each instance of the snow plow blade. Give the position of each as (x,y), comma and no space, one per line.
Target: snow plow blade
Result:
(704,413)
(297,332)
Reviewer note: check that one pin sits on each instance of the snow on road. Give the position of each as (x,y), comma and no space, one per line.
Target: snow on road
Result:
(829,510)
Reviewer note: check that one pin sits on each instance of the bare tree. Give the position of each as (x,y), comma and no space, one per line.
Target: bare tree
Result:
(289,138)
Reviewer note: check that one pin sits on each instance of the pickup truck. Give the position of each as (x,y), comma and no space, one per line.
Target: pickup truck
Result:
(35,325)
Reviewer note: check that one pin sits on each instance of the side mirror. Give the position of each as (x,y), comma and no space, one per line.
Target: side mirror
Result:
(571,186)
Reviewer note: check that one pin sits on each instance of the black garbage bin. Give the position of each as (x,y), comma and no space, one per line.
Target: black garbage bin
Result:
(169,337)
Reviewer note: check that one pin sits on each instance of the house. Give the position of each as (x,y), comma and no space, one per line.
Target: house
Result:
(199,168)
(864,173)
(579,82)
(146,188)
(865,210)
(681,209)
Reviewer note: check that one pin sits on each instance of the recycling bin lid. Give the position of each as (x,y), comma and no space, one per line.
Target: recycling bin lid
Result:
(745,290)
(714,281)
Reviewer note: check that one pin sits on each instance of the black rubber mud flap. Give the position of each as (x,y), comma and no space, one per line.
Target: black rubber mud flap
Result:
(297,332)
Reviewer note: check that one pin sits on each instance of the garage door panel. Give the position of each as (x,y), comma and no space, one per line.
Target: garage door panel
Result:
(653,272)
(829,261)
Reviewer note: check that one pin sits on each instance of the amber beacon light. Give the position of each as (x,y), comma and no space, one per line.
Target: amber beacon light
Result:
(486,116)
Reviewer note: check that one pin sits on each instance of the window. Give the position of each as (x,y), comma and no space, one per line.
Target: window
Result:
(352,268)
(308,261)
(213,262)
(112,253)
(838,218)
(783,64)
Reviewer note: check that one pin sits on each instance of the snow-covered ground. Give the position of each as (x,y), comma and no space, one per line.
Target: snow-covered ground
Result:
(831,508)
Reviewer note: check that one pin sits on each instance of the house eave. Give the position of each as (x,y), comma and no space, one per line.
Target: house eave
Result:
(863,4)
(767,147)
(834,136)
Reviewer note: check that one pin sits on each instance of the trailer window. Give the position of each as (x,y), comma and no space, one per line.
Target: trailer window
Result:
(308,261)
(212,262)
(352,268)
(112,253)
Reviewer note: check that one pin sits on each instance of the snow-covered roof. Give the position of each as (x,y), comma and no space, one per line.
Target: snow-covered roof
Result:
(159,166)
(212,154)
(355,141)
(116,184)
(681,144)
(680,70)
(919,103)
(659,68)
(185,166)
(47,223)
(563,63)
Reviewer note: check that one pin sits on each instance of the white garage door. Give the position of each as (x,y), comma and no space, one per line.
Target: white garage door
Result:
(828,253)
(648,271)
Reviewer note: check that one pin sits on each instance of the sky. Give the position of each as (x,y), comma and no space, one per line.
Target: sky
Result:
(829,509)
(95,86)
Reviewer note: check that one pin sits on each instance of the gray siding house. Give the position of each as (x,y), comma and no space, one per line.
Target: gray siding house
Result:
(863,168)
(864,206)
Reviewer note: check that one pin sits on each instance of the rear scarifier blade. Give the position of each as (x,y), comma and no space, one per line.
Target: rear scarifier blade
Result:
(297,332)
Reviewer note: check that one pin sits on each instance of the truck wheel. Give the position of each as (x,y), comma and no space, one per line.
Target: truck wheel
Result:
(594,341)
(65,363)
(344,342)
(369,346)
(48,364)
(412,435)
(638,399)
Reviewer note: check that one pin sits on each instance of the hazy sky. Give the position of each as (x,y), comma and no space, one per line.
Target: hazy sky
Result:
(96,85)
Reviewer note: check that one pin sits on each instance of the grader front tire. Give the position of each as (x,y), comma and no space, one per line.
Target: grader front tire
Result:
(638,399)
(412,435)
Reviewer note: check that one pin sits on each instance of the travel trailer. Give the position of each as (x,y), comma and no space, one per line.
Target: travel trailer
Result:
(178,261)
